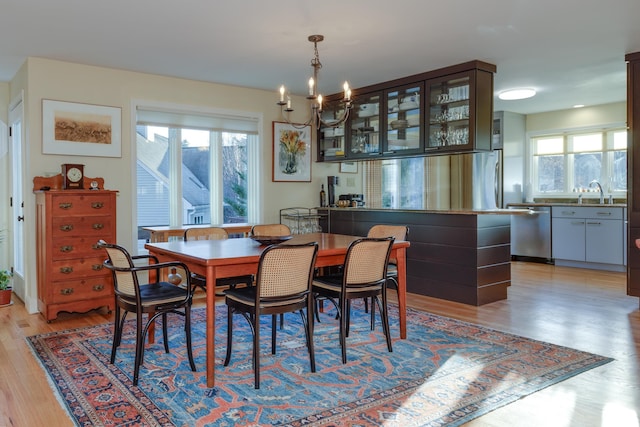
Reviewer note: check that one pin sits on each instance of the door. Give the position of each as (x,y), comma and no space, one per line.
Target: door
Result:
(16,223)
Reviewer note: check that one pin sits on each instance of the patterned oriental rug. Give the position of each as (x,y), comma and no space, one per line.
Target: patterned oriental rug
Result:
(447,373)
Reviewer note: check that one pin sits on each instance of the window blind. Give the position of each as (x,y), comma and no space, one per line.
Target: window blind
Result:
(191,120)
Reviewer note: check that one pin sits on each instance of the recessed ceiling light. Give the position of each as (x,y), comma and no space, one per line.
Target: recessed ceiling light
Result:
(513,94)
(578,106)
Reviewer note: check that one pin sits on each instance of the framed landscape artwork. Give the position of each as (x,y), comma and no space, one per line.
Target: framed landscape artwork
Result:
(75,129)
(291,152)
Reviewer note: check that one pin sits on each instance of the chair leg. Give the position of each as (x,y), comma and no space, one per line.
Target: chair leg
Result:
(256,349)
(384,315)
(165,335)
(139,348)
(343,327)
(373,314)
(273,332)
(307,321)
(187,324)
(348,316)
(227,358)
(117,332)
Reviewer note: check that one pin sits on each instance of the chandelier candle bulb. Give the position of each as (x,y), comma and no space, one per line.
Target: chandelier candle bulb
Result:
(347,91)
(311,86)
(288,103)
(319,102)
(282,94)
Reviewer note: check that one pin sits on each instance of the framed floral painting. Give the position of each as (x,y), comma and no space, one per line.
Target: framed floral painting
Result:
(291,152)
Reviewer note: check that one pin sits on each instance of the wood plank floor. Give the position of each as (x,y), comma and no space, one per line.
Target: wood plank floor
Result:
(583,309)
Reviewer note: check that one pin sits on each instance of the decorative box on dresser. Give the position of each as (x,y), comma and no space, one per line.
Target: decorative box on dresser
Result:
(71,274)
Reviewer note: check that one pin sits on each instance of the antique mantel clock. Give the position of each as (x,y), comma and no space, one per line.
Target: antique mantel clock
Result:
(72,176)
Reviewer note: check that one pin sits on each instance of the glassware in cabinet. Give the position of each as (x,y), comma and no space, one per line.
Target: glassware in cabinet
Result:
(364,126)
(450,113)
(331,139)
(404,119)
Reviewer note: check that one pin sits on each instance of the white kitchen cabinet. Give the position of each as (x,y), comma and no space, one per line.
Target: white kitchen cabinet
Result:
(604,243)
(568,238)
(590,235)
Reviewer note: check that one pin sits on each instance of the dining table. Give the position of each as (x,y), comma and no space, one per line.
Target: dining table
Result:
(164,233)
(236,257)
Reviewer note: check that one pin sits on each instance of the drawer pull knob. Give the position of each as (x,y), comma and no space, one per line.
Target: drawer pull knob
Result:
(97,267)
(95,246)
(66,227)
(66,270)
(568,213)
(65,205)
(98,226)
(97,205)
(66,291)
(66,249)
(98,288)
(604,213)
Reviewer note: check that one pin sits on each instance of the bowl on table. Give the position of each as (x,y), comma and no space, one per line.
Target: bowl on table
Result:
(270,240)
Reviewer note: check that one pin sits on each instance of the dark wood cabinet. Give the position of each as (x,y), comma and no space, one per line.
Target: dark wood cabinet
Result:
(460,112)
(633,172)
(442,111)
(462,257)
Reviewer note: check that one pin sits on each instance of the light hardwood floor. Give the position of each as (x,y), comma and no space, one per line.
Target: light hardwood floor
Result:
(584,309)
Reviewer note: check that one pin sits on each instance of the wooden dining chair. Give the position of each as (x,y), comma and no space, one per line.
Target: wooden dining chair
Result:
(155,298)
(283,285)
(398,232)
(270,230)
(214,233)
(364,276)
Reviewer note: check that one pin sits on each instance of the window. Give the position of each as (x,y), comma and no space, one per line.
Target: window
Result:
(403,183)
(569,162)
(195,169)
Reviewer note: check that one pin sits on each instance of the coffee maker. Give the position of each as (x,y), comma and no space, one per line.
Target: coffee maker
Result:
(332,181)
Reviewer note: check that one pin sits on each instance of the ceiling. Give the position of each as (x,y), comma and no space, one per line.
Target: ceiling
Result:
(570,51)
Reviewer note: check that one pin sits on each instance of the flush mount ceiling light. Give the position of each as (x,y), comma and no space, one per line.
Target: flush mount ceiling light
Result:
(514,94)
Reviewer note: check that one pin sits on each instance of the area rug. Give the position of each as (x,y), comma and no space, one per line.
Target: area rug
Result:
(446,373)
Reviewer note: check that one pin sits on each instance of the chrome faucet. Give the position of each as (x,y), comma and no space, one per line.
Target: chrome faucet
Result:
(599,188)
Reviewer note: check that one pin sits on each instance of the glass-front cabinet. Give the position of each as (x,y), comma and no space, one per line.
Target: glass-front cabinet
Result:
(365,126)
(459,112)
(404,121)
(331,140)
(446,110)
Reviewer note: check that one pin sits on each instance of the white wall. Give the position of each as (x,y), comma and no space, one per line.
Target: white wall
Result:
(577,117)
(62,81)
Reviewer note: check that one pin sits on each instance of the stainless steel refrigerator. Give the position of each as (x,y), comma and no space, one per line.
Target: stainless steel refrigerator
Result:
(465,181)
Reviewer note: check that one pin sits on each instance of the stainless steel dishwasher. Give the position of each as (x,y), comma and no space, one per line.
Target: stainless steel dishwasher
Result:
(531,234)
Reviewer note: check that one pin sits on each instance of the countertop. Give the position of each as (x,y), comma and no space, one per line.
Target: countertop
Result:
(444,211)
(587,205)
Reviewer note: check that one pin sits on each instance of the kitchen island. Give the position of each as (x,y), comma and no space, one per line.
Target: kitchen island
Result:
(457,255)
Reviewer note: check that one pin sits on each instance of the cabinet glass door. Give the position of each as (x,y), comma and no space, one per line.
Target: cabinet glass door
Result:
(403,119)
(364,127)
(331,139)
(449,113)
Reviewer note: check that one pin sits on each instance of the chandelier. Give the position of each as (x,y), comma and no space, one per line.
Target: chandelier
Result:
(316,99)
